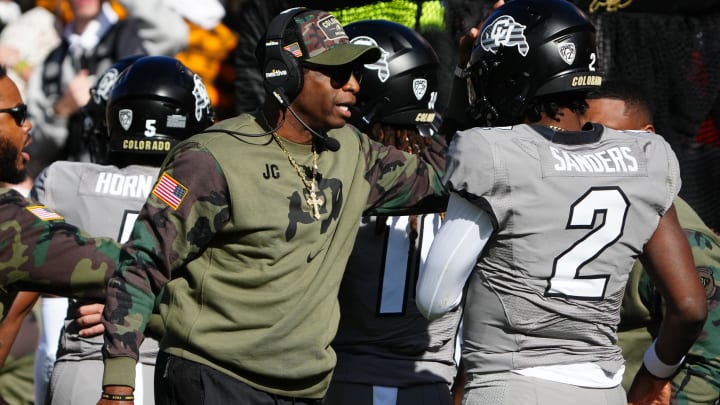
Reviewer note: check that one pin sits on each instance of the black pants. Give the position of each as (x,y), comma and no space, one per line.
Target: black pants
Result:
(342,393)
(184,382)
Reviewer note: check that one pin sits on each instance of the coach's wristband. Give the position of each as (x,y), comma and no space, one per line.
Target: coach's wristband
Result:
(656,367)
(117,397)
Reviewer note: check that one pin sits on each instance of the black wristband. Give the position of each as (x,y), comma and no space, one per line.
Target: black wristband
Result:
(117,397)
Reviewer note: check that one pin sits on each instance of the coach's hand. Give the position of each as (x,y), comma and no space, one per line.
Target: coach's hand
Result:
(89,319)
(646,389)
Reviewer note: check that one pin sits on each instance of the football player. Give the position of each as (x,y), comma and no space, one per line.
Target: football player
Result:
(546,219)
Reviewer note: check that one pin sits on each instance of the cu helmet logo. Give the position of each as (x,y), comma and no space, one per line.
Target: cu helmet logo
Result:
(202,100)
(381,65)
(105,86)
(504,31)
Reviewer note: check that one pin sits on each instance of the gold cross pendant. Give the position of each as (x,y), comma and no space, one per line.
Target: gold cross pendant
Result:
(315,202)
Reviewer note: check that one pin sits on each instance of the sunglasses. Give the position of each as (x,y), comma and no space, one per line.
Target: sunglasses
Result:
(339,75)
(19,113)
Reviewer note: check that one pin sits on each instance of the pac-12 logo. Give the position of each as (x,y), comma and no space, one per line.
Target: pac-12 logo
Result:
(420,86)
(125,116)
(567,52)
(504,31)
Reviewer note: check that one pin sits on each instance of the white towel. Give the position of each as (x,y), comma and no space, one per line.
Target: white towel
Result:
(206,13)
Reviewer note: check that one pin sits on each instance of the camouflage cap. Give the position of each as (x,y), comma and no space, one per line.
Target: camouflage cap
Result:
(324,42)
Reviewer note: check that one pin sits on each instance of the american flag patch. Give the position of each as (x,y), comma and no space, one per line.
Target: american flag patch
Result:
(170,191)
(294,49)
(44,213)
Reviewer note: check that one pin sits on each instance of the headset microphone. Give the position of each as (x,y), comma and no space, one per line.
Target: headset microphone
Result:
(330,144)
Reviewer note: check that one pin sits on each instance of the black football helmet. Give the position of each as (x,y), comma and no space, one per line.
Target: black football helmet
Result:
(95,131)
(401,88)
(155,103)
(527,50)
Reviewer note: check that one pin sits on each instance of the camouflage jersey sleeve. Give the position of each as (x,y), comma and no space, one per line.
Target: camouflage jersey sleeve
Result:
(187,206)
(41,252)
(404,183)
(697,381)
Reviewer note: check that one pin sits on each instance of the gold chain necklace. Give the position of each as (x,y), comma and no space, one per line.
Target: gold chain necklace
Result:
(313,201)
(556,129)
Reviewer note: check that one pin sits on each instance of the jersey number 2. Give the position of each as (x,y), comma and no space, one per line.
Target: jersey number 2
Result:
(608,204)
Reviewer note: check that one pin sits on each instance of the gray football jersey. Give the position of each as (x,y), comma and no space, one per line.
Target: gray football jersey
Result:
(104,201)
(382,338)
(573,211)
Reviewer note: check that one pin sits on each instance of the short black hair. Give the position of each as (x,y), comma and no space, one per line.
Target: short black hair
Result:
(552,103)
(3,71)
(631,93)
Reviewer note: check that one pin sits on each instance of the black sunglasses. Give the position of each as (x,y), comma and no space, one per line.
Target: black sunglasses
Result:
(19,113)
(339,75)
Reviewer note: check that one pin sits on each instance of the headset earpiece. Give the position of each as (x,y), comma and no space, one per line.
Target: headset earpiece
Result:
(283,75)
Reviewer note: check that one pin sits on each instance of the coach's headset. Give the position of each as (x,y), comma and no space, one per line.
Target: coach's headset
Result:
(282,73)
(282,76)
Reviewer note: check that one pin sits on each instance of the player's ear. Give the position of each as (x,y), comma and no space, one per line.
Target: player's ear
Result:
(649,128)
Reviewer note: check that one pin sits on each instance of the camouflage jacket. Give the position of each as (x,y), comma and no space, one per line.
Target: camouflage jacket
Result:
(251,275)
(698,379)
(39,251)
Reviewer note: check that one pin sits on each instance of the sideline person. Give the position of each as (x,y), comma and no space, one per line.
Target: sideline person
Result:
(545,220)
(40,251)
(249,228)
(387,352)
(622,105)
